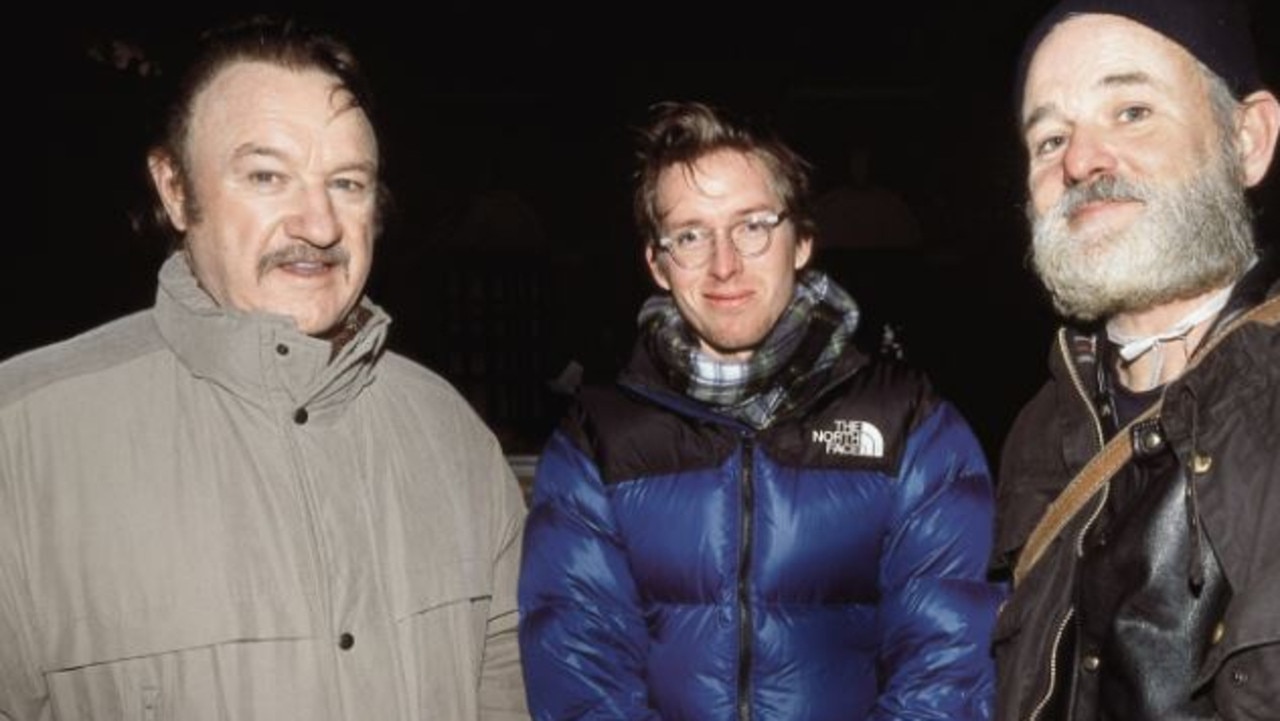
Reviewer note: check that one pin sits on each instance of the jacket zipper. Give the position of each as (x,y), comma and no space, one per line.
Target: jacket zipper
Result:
(1079,386)
(1100,436)
(744,565)
(1053,665)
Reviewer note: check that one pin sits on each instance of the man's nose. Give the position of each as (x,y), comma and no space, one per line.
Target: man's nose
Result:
(725,260)
(314,220)
(1087,156)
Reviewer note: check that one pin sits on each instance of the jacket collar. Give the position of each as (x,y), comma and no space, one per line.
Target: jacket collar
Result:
(261,357)
(642,377)
(1256,285)
(1075,359)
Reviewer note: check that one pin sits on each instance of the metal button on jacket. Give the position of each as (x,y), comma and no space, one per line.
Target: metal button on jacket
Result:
(1147,438)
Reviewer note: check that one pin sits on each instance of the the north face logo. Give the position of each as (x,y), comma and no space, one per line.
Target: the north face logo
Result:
(852,438)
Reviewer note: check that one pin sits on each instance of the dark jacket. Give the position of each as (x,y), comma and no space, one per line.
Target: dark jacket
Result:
(682,566)
(1201,535)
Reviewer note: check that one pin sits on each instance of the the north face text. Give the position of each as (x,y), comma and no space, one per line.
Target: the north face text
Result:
(851,438)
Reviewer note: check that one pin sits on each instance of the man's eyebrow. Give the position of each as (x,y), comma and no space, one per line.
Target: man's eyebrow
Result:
(248,150)
(737,215)
(1137,77)
(251,149)
(369,167)
(1039,114)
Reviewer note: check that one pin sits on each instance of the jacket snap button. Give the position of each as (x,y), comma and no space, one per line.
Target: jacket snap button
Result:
(300,416)
(1091,663)
(1147,438)
(1239,677)
(1201,463)
(282,349)
(346,641)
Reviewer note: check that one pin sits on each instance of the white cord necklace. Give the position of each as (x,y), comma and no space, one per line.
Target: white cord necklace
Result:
(1134,347)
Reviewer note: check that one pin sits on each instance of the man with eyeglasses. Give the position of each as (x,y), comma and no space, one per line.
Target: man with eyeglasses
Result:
(758,521)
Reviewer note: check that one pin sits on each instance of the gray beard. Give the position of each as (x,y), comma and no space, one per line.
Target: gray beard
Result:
(1189,238)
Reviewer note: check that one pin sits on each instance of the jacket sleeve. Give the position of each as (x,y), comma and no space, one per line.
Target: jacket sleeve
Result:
(502,695)
(937,609)
(23,695)
(582,634)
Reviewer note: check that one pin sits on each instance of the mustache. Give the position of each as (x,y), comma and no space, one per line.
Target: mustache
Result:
(332,255)
(1105,188)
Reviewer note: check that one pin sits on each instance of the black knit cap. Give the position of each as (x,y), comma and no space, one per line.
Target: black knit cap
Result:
(1215,32)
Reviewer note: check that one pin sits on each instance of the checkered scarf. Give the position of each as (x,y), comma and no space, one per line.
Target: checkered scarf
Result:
(803,345)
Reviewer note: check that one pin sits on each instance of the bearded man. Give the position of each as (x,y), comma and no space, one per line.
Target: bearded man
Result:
(1137,507)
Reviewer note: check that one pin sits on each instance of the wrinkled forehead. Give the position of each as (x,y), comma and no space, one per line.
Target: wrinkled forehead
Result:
(725,177)
(1217,33)
(1094,52)
(254,93)
(257,83)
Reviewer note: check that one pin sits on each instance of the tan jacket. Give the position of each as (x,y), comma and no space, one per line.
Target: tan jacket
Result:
(202,517)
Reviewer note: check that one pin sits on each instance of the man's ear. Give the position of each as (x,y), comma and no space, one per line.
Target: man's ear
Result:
(656,269)
(1257,123)
(167,179)
(804,251)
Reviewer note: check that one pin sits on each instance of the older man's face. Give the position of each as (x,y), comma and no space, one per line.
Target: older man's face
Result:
(1108,96)
(1136,194)
(284,173)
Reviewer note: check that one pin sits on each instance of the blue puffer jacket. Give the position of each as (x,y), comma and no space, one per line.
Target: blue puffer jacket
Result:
(678,565)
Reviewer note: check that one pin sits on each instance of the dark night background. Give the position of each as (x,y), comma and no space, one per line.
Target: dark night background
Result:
(507,136)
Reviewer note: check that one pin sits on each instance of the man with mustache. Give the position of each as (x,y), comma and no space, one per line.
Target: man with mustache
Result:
(1139,496)
(238,503)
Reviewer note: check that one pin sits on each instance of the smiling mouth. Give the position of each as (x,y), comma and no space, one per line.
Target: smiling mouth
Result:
(728,299)
(304,270)
(306,267)
(304,261)
(1085,211)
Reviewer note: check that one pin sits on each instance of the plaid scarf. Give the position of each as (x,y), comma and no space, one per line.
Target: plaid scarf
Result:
(810,335)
